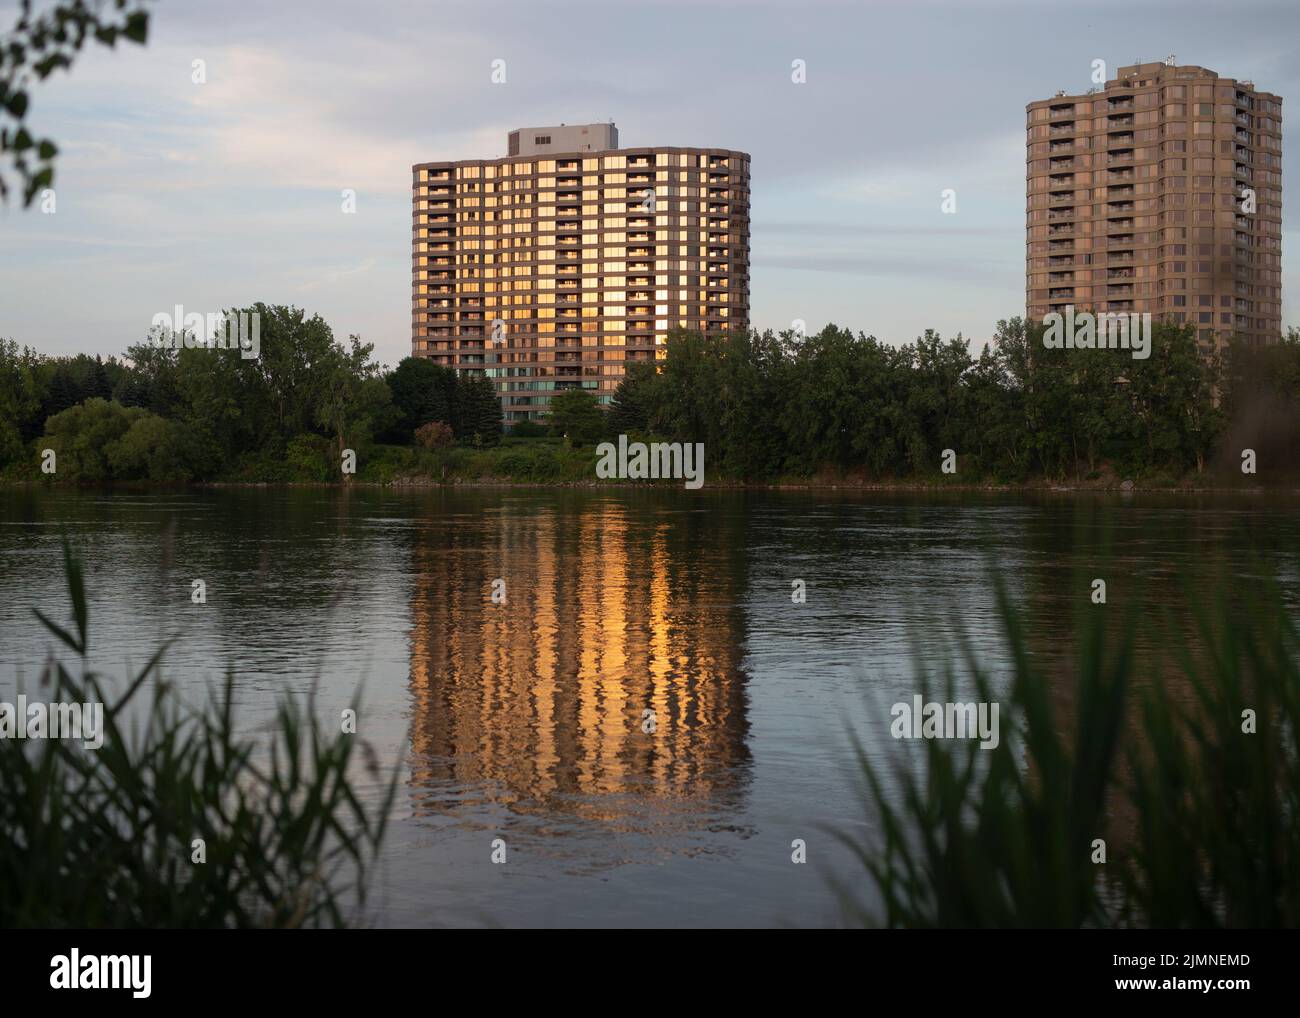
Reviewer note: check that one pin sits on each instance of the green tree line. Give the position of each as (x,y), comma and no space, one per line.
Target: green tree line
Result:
(769,406)
(766,406)
(163,413)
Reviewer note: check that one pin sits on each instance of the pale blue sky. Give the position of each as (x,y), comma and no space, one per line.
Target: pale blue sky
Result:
(227,193)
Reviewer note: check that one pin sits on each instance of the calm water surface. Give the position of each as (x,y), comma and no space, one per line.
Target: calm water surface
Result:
(524,720)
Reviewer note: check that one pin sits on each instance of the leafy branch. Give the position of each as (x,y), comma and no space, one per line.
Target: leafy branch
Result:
(37,47)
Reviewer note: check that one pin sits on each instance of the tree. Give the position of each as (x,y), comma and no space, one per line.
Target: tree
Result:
(435,435)
(633,399)
(575,414)
(151,449)
(422,391)
(477,411)
(22,399)
(63,391)
(153,379)
(98,386)
(354,401)
(83,435)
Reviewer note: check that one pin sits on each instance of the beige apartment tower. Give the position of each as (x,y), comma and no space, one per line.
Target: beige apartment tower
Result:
(552,267)
(1160,192)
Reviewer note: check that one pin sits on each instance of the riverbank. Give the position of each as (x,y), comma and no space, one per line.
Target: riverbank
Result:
(714,484)
(552,462)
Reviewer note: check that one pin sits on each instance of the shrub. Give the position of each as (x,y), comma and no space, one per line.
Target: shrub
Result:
(99,440)
(435,435)
(528,429)
(307,458)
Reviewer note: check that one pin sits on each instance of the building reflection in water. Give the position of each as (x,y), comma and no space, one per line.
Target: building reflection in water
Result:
(612,609)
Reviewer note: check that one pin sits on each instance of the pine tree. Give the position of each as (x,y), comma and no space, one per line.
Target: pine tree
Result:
(629,410)
(487,411)
(99,381)
(63,392)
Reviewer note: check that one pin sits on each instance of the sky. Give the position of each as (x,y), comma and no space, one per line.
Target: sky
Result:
(223,193)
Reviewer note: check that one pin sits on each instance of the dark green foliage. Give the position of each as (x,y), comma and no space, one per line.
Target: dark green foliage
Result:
(528,429)
(102,441)
(104,838)
(23,393)
(422,392)
(766,406)
(576,415)
(476,417)
(833,405)
(629,412)
(63,392)
(97,385)
(208,412)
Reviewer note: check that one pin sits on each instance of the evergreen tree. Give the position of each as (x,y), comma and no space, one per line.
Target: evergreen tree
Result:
(63,392)
(476,414)
(422,392)
(630,410)
(99,386)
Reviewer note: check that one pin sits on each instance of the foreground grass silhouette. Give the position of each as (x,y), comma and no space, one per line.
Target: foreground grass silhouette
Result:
(1197,798)
(105,838)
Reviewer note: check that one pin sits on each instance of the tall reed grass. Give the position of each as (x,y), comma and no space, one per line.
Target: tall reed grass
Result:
(1200,816)
(106,838)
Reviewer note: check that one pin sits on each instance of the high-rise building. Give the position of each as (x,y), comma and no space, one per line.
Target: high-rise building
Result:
(1160,192)
(554,266)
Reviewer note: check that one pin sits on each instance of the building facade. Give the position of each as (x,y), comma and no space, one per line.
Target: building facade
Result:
(1160,192)
(554,266)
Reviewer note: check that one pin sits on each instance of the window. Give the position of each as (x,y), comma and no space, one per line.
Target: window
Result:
(542,139)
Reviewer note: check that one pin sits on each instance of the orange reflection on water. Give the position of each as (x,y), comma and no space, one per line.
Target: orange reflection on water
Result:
(540,702)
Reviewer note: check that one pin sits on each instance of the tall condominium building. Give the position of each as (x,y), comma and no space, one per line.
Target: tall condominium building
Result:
(1160,193)
(552,267)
